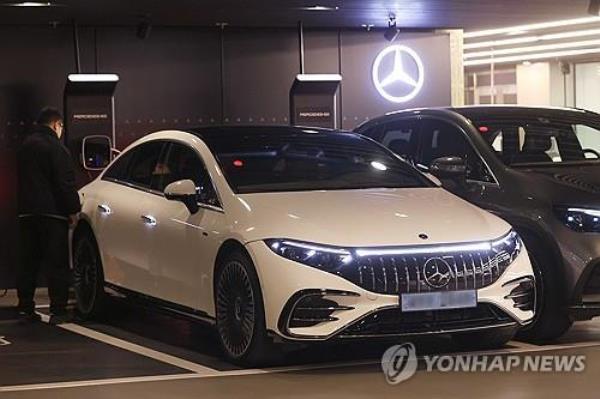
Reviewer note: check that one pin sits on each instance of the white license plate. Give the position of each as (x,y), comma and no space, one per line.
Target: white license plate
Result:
(438,300)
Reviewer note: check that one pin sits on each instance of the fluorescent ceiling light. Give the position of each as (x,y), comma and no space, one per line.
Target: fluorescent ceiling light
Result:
(319,8)
(530,49)
(543,25)
(31,4)
(533,39)
(107,77)
(525,57)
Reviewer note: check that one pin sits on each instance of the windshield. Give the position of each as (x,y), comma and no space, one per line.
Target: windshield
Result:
(542,140)
(262,162)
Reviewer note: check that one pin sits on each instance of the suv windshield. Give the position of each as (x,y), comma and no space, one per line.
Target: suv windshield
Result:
(262,162)
(542,140)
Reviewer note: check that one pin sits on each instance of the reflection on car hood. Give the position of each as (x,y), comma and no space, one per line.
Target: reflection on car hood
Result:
(375,217)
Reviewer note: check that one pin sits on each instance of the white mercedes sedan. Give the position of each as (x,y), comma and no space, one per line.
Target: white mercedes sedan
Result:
(279,234)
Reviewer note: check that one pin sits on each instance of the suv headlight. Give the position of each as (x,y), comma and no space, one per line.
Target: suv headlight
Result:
(584,220)
(319,256)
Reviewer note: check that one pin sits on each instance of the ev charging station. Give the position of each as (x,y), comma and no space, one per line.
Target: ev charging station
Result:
(313,100)
(89,108)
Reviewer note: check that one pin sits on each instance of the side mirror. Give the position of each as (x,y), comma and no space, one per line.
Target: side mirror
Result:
(96,152)
(453,168)
(184,191)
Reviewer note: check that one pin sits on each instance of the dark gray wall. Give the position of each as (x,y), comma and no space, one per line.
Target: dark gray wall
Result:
(184,77)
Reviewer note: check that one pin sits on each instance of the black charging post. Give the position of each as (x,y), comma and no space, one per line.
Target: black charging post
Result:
(89,106)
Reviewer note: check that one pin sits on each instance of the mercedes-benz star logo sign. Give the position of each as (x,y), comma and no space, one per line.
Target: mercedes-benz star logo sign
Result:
(437,272)
(398,73)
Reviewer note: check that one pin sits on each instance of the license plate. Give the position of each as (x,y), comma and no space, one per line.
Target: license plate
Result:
(438,300)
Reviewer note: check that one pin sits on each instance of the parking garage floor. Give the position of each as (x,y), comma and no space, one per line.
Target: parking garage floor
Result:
(137,353)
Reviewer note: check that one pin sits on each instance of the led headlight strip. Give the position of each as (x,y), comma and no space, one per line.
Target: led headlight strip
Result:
(327,257)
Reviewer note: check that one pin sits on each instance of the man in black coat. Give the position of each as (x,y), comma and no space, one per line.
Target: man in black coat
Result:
(48,205)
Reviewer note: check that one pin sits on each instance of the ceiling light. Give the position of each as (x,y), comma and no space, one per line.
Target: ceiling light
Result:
(528,57)
(543,25)
(533,39)
(319,8)
(30,4)
(529,49)
(82,77)
(517,32)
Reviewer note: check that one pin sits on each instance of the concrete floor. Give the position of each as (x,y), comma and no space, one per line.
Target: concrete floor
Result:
(139,343)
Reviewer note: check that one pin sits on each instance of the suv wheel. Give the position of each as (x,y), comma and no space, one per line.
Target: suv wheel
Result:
(551,320)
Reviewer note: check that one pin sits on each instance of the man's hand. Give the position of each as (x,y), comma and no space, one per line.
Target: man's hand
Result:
(73,219)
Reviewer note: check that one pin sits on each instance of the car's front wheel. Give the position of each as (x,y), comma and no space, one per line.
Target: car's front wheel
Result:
(240,312)
(88,276)
(551,320)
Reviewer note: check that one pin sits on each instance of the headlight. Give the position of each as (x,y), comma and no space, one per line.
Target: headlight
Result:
(502,251)
(322,257)
(583,220)
(507,248)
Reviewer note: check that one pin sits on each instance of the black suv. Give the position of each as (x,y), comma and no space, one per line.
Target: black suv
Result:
(539,169)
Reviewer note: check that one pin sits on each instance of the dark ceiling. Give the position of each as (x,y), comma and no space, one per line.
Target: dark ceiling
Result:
(468,14)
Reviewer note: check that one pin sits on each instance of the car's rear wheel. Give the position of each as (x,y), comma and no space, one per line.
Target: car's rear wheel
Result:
(486,339)
(240,312)
(88,276)
(551,320)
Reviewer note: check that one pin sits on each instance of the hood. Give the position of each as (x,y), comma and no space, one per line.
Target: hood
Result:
(360,218)
(567,184)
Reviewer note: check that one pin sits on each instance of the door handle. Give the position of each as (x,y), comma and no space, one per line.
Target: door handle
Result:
(149,220)
(104,209)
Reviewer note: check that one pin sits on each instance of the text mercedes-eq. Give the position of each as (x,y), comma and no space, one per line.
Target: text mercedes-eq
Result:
(286,234)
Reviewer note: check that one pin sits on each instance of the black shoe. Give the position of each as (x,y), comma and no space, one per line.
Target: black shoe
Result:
(26,317)
(60,318)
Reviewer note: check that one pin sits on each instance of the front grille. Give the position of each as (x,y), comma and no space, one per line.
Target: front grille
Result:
(395,322)
(399,274)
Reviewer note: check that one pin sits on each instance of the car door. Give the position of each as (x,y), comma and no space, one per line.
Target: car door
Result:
(184,245)
(439,138)
(124,224)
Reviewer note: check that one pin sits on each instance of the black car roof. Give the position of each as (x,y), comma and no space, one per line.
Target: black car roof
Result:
(508,111)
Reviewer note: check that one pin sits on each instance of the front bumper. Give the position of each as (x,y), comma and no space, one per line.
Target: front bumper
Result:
(357,312)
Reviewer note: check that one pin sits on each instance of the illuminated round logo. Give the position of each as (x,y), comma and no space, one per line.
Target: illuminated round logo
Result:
(437,273)
(398,73)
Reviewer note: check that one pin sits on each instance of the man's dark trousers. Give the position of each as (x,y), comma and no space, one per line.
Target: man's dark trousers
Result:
(43,242)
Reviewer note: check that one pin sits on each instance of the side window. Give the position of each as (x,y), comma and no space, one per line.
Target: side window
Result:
(401,138)
(182,162)
(118,170)
(144,163)
(442,139)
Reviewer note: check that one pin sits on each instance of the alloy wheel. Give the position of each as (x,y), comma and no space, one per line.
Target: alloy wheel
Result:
(235,306)
(85,277)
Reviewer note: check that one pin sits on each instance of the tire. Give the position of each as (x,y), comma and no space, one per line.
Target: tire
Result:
(240,312)
(487,339)
(88,277)
(551,320)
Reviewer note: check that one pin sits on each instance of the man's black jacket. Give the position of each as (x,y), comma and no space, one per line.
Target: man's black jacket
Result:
(46,176)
